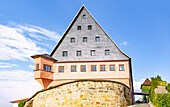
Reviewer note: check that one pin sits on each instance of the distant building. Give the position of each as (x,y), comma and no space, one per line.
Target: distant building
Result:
(85,51)
(15,103)
(145,87)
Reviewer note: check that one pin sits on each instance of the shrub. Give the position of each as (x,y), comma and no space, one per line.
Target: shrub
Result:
(168,87)
(21,103)
(145,88)
(159,100)
(162,100)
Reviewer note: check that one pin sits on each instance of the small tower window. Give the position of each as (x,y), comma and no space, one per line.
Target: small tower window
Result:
(84,39)
(37,66)
(61,69)
(65,53)
(89,27)
(93,68)
(107,52)
(84,16)
(47,68)
(93,52)
(121,67)
(73,68)
(72,40)
(78,27)
(83,68)
(102,68)
(112,68)
(78,53)
(97,39)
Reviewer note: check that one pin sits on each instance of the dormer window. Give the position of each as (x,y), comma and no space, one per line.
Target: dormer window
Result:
(107,52)
(78,53)
(64,53)
(93,52)
(97,39)
(89,27)
(84,16)
(72,40)
(78,27)
(84,39)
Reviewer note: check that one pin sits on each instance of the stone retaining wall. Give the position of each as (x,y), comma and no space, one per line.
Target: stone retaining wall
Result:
(87,93)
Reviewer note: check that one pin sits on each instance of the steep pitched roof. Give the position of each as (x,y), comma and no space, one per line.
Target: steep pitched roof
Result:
(70,26)
(146,82)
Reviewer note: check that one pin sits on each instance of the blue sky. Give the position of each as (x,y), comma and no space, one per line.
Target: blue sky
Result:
(141,29)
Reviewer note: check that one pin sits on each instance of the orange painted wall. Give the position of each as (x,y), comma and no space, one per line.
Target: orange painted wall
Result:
(57,77)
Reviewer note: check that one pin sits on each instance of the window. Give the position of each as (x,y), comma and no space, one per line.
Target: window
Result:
(78,53)
(89,27)
(83,68)
(61,69)
(97,39)
(72,40)
(93,68)
(84,39)
(102,68)
(47,68)
(112,68)
(121,68)
(37,66)
(92,52)
(78,27)
(64,53)
(73,68)
(107,52)
(84,16)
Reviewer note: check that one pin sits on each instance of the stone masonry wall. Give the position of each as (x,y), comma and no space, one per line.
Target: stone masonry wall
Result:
(87,93)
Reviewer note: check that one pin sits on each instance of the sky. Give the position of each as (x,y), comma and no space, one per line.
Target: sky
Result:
(140,28)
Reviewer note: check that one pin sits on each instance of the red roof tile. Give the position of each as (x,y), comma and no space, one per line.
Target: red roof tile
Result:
(146,82)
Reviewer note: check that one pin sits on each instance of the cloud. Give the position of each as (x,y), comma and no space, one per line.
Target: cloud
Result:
(16,85)
(20,42)
(36,31)
(137,86)
(32,66)
(6,65)
(16,75)
(124,43)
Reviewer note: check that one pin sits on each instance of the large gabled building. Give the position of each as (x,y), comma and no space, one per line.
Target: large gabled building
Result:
(85,51)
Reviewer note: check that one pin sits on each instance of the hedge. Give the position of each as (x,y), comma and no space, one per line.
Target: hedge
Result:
(161,100)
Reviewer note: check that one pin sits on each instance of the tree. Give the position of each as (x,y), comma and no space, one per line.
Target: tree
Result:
(21,103)
(158,78)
